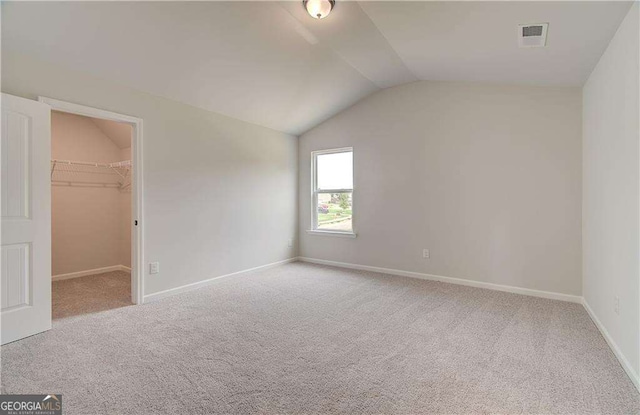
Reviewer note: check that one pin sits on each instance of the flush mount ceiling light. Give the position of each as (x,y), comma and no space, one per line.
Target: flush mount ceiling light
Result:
(318,9)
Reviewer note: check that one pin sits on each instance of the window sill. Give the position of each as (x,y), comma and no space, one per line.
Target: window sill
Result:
(332,233)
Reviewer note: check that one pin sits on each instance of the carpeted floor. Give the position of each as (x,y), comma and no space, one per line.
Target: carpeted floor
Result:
(303,338)
(91,294)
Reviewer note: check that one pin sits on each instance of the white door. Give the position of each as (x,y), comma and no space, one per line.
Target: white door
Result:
(25,270)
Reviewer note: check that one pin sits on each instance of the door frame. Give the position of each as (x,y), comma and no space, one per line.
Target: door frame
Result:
(137,189)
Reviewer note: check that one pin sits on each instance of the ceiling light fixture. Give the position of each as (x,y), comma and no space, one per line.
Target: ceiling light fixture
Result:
(318,9)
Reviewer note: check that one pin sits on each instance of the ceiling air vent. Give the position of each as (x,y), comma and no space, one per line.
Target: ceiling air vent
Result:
(532,35)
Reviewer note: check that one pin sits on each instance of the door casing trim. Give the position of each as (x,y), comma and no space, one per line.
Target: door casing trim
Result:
(137,189)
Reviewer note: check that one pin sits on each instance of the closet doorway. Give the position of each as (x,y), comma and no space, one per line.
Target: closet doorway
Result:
(95,204)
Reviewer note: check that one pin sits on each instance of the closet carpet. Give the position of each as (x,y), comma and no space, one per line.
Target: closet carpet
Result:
(90,294)
(304,338)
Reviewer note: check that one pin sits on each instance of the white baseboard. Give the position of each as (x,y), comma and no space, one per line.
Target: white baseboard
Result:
(87,272)
(450,280)
(459,281)
(614,347)
(506,288)
(193,286)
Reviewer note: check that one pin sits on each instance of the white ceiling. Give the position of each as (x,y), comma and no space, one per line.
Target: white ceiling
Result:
(119,133)
(269,63)
(477,41)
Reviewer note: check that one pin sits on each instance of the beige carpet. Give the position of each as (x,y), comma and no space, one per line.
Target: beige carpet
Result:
(303,338)
(91,294)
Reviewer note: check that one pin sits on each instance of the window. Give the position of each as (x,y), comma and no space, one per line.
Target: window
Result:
(332,199)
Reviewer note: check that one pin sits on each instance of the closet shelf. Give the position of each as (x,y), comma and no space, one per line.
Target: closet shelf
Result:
(85,173)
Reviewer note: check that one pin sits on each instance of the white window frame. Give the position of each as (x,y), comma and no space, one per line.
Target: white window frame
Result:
(314,195)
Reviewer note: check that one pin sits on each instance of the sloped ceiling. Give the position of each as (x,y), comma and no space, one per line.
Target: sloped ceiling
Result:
(477,41)
(119,133)
(270,64)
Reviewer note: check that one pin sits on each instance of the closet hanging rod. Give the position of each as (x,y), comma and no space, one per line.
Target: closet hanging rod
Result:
(125,163)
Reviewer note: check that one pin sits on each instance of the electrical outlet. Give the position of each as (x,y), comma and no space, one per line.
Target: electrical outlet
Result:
(154,267)
(290,243)
(426,254)
(616,305)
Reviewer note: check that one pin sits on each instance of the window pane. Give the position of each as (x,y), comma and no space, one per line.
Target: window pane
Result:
(334,211)
(335,171)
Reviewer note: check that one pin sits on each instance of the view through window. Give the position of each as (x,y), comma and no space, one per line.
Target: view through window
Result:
(333,190)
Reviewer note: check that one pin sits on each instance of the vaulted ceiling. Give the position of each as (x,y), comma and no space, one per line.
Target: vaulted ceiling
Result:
(271,64)
(118,132)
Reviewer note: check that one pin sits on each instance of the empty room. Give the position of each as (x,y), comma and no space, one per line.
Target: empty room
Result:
(318,206)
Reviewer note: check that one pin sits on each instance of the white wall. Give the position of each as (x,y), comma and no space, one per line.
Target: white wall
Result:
(611,199)
(487,177)
(220,194)
(86,221)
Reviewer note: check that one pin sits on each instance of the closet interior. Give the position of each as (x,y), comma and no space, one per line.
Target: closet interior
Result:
(91,178)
